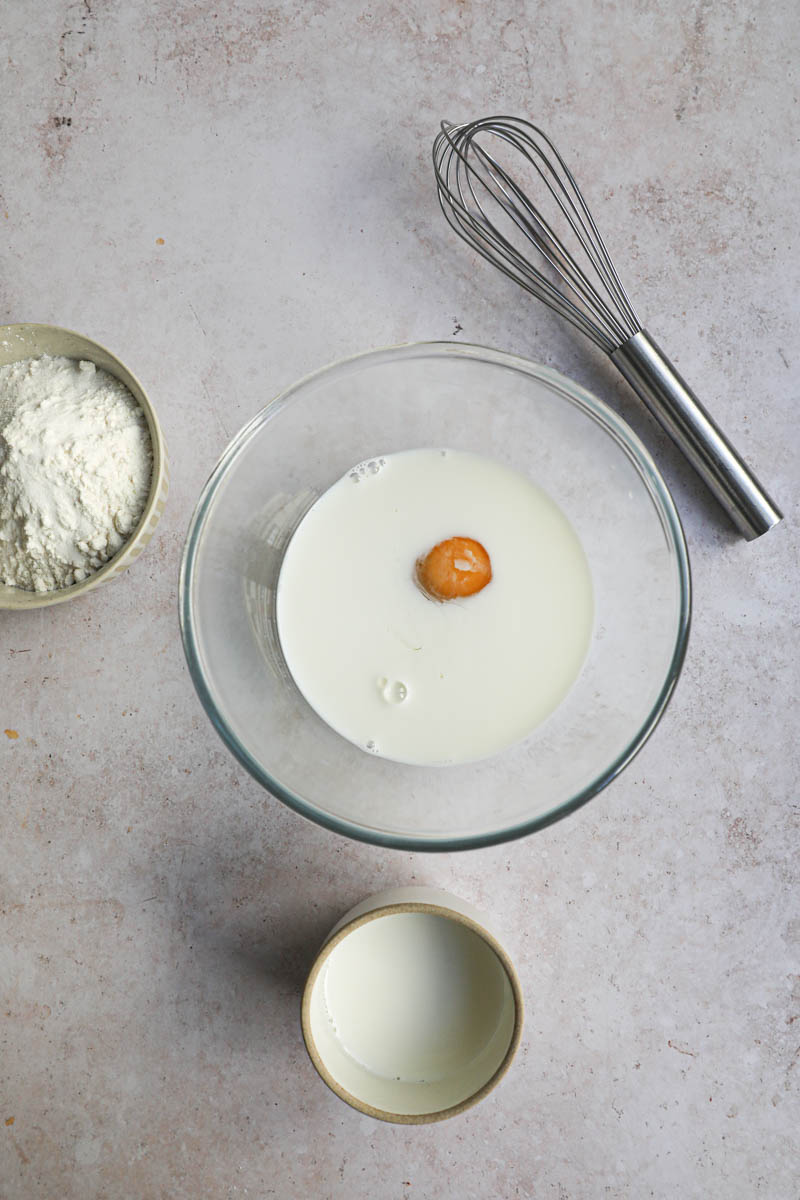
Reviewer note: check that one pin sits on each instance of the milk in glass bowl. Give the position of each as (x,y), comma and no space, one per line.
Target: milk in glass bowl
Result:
(435,721)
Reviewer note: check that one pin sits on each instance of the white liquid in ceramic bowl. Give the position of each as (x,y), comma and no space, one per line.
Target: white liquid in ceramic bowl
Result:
(409,678)
(412,1013)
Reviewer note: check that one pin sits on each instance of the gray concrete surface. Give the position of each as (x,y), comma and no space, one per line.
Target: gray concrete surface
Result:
(229,194)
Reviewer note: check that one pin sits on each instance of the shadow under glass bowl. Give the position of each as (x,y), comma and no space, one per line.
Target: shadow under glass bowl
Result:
(467,398)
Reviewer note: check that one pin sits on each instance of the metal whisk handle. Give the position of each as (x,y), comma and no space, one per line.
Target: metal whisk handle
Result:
(677,409)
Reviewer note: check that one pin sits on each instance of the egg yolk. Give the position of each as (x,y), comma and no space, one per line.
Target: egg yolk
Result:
(456,567)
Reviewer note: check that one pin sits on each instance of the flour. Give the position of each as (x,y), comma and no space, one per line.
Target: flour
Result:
(75,470)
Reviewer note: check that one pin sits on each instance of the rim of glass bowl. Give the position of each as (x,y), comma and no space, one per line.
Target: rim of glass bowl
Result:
(637,453)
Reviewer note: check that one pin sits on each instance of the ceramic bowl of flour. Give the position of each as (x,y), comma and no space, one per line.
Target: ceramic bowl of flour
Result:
(25,341)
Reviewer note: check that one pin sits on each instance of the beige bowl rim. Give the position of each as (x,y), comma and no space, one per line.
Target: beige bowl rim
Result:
(412,906)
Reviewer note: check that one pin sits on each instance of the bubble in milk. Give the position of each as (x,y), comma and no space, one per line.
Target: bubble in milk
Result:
(367,469)
(394,691)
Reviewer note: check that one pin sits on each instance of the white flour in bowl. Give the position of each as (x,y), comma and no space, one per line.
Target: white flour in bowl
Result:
(75,470)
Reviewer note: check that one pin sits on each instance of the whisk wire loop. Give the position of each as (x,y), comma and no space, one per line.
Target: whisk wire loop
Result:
(501,254)
(583,225)
(533,226)
(470,179)
(468,219)
(492,236)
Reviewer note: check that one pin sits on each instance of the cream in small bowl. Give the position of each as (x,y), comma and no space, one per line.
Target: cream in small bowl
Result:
(83,468)
(413,1010)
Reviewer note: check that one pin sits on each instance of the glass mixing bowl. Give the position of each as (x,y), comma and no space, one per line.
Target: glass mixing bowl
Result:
(467,398)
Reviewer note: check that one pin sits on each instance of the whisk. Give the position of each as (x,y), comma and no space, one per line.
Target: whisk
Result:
(487,206)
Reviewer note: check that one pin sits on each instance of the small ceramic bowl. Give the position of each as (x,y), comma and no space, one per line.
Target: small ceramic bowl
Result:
(32,341)
(413,1010)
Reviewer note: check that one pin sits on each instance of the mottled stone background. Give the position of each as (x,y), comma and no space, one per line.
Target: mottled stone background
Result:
(229,194)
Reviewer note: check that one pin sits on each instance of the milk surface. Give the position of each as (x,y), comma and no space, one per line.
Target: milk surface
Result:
(413,679)
(414,996)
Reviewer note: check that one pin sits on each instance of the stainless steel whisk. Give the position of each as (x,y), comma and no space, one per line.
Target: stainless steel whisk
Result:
(489,209)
